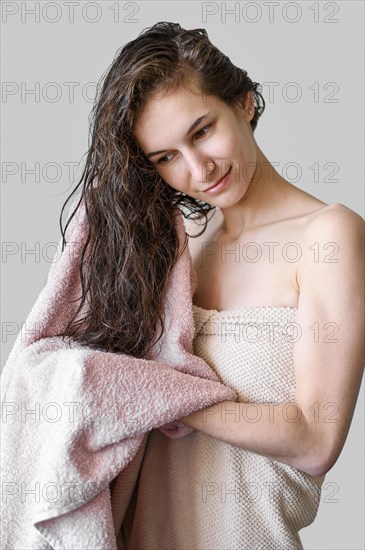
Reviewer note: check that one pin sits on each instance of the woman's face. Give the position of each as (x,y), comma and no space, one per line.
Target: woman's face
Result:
(193,141)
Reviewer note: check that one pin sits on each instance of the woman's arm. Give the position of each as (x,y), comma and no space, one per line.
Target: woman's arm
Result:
(328,358)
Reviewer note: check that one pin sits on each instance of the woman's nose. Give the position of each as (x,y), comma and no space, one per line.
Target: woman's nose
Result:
(200,166)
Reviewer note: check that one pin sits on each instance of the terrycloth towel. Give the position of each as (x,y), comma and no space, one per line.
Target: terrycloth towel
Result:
(74,418)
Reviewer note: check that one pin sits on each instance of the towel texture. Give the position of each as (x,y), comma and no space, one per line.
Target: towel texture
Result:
(226,497)
(74,419)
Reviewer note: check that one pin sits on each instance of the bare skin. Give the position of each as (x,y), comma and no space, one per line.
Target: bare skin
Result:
(291,250)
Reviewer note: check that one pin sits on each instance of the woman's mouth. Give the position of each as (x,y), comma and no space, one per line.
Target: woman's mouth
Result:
(219,185)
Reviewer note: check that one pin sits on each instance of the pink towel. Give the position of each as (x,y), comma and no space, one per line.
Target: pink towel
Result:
(74,418)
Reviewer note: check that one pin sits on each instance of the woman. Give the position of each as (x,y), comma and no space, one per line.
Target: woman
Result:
(277,273)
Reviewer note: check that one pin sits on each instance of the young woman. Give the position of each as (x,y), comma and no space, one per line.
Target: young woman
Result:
(278,296)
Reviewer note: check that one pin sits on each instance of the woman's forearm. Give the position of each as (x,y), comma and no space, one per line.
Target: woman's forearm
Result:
(275,430)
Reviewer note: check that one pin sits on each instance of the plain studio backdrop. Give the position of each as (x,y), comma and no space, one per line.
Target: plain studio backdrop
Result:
(308,56)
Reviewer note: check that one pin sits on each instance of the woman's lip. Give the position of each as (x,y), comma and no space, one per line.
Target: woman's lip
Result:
(219,183)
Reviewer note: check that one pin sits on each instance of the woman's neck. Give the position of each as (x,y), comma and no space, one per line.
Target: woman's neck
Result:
(259,204)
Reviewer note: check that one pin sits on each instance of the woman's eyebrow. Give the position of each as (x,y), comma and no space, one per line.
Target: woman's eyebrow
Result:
(192,127)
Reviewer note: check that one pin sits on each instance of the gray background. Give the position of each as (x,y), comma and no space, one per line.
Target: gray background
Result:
(313,49)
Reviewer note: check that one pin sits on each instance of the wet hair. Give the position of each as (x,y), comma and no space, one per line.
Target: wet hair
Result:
(132,243)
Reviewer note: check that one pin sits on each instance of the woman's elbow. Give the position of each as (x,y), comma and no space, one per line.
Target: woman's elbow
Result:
(320,463)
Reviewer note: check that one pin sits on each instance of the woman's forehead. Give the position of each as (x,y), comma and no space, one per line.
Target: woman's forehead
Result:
(172,116)
(184,102)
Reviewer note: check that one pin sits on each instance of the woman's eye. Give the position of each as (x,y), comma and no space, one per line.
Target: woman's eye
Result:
(165,159)
(202,131)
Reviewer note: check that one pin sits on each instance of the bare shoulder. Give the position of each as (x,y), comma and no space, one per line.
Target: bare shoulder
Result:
(337,234)
(337,221)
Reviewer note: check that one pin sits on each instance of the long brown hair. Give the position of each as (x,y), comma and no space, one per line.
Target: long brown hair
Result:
(132,242)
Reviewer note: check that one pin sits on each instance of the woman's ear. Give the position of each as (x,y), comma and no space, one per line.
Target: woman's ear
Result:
(246,106)
(249,105)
